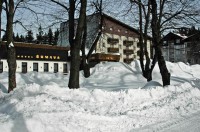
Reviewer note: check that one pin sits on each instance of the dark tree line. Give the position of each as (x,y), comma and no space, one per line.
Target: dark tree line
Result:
(50,37)
(187,31)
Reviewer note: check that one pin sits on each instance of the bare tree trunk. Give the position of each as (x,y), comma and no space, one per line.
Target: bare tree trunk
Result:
(87,58)
(1,3)
(75,44)
(99,9)
(84,63)
(157,44)
(141,42)
(146,71)
(75,65)
(11,53)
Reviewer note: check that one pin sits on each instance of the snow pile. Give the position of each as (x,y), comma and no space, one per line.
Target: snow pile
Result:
(114,76)
(109,100)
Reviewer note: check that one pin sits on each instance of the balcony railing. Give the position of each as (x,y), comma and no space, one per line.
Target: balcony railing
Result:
(128,43)
(113,50)
(104,57)
(112,41)
(128,51)
(128,60)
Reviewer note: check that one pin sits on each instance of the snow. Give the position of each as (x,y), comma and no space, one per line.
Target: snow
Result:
(86,52)
(114,98)
(181,35)
(11,45)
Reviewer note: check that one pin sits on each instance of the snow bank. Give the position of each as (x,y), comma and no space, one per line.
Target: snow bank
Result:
(54,109)
(115,98)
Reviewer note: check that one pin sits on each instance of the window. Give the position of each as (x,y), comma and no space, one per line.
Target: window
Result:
(1,66)
(35,67)
(164,42)
(65,68)
(55,67)
(113,40)
(24,67)
(177,41)
(138,44)
(46,67)
(138,53)
(188,45)
(104,45)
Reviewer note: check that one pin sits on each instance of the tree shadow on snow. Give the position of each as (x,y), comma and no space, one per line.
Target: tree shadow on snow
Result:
(3,88)
(179,79)
(19,124)
(16,116)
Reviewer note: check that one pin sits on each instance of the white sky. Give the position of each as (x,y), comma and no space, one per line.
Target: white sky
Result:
(119,10)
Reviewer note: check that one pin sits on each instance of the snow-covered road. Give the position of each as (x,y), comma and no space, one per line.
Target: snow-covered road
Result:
(189,123)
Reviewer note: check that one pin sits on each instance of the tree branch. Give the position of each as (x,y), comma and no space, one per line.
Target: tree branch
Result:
(60,4)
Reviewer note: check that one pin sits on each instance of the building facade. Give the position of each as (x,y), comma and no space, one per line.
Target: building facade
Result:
(174,48)
(37,57)
(192,44)
(181,48)
(118,41)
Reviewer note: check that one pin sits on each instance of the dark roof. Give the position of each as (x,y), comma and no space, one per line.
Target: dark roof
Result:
(194,37)
(117,21)
(36,52)
(172,36)
(121,23)
(39,46)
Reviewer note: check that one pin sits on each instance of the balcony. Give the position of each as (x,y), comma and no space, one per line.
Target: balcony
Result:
(128,43)
(112,41)
(128,60)
(128,51)
(104,57)
(113,50)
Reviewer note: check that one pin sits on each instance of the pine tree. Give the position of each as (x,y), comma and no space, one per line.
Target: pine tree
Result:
(50,37)
(22,38)
(45,38)
(56,34)
(4,37)
(40,35)
(29,37)
(14,38)
(17,39)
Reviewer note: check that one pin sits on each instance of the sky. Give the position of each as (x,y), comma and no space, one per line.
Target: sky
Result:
(54,15)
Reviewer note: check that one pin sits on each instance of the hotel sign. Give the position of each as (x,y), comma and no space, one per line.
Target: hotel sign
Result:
(27,53)
(47,57)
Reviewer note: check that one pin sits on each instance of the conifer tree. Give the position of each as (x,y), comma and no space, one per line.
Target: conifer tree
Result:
(17,39)
(50,37)
(56,34)
(29,37)
(22,38)
(40,35)
(4,37)
(45,38)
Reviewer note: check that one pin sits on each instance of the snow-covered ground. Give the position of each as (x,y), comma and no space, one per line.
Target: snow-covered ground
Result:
(115,98)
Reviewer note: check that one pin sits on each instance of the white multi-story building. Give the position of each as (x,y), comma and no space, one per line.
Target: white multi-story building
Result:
(118,41)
